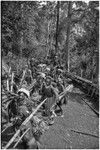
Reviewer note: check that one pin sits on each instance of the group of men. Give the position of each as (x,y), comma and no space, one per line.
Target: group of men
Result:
(49,84)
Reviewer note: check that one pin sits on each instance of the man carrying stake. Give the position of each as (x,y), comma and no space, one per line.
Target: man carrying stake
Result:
(24,110)
(58,105)
(49,92)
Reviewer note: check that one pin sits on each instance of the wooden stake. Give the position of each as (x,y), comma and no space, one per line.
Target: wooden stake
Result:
(62,95)
(24,72)
(12,82)
(9,70)
(6,128)
(12,139)
(21,137)
(7,84)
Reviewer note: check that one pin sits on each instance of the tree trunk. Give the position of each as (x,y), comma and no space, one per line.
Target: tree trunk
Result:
(47,40)
(81,73)
(92,63)
(97,60)
(21,34)
(97,66)
(57,27)
(67,36)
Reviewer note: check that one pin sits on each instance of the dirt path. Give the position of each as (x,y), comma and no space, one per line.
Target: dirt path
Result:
(79,117)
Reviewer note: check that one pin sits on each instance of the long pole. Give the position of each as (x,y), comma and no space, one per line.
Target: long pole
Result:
(24,123)
(96,112)
(21,137)
(67,56)
(12,82)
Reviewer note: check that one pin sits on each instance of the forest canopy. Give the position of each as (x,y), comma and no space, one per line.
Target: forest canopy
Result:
(66,30)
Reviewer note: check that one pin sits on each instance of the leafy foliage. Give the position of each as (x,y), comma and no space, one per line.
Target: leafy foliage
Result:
(29,30)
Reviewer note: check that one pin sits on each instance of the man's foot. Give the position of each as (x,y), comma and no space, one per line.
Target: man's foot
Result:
(62,115)
(54,114)
(50,122)
(65,101)
(58,112)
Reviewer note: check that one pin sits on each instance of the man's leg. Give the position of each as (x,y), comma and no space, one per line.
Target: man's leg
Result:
(65,101)
(59,111)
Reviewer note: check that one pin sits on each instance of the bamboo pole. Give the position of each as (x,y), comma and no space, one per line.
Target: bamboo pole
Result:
(97,113)
(24,123)
(9,70)
(72,76)
(24,72)
(12,139)
(12,82)
(7,100)
(62,95)
(21,137)
(6,128)
(68,89)
(8,79)
(7,84)
(80,132)
(31,86)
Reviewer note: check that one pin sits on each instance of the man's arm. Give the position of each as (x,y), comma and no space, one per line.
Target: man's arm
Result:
(55,92)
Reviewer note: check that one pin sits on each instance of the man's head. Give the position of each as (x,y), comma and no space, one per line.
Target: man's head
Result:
(69,81)
(21,98)
(26,66)
(60,80)
(59,71)
(22,95)
(40,77)
(48,80)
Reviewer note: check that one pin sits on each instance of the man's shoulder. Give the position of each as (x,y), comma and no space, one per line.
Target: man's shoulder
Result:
(55,89)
